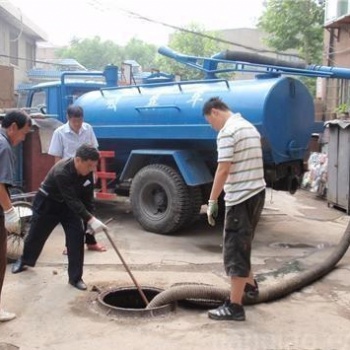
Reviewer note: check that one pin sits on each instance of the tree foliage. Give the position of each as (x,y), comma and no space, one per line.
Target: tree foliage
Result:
(189,43)
(143,53)
(295,24)
(95,54)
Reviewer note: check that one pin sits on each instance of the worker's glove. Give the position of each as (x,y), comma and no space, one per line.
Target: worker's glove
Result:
(12,221)
(212,211)
(96,225)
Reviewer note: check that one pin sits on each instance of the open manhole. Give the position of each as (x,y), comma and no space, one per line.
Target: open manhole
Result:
(127,301)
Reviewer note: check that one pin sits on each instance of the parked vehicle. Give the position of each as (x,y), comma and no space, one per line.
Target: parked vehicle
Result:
(165,151)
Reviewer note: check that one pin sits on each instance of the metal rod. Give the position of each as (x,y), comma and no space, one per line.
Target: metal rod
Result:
(142,294)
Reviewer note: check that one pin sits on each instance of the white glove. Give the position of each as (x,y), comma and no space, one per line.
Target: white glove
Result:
(12,221)
(212,211)
(96,225)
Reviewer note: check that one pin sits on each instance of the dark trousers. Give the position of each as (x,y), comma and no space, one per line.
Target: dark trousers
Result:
(89,237)
(240,224)
(3,247)
(47,214)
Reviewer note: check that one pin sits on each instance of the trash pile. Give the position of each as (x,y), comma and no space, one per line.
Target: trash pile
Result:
(315,179)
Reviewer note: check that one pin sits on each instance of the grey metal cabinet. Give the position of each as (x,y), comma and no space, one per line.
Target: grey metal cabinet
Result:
(339,164)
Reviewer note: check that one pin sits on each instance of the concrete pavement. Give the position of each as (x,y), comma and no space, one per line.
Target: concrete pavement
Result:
(295,232)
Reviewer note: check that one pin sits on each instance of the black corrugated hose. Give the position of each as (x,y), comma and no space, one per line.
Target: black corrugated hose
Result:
(268,293)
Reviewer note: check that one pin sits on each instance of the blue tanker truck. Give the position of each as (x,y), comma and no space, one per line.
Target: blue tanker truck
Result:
(165,151)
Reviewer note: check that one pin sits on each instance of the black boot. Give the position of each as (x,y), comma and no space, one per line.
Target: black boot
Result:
(79,285)
(18,266)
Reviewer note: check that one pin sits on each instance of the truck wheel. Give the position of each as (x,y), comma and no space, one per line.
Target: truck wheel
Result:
(159,199)
(195,194)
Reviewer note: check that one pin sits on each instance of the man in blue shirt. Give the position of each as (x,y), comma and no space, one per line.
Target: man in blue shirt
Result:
(14,128)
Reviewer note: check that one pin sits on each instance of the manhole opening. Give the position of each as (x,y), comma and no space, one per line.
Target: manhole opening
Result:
(129,298)
(127,301)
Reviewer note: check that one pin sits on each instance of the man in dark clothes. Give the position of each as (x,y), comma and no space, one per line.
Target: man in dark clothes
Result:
(65,197)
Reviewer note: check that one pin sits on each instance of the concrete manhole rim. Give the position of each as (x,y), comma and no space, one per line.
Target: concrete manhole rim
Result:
(133,312)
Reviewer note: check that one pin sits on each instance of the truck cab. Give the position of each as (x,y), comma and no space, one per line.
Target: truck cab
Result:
(53,98)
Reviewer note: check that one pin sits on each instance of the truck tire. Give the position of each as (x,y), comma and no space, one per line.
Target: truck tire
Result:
(159,199)
(193,216)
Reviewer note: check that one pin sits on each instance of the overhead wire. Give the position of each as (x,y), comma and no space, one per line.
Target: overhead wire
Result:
(98,5)
(33,60)
(21,29)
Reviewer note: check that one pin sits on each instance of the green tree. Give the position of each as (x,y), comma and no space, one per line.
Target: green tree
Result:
(93,54)
(141,52)
(187,42)
(295,24)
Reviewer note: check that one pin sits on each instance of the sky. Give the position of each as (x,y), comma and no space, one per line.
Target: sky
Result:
(62,20)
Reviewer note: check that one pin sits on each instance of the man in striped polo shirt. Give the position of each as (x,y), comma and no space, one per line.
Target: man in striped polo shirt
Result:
(240,174)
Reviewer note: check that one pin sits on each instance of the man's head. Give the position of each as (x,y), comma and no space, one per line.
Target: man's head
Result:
(216,112)
(75,116)
(86,159)
(17,125)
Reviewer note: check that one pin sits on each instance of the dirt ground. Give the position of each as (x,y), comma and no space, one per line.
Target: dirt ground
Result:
(295,233)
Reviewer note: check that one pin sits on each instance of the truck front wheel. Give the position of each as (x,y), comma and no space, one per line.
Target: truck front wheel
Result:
(159,199)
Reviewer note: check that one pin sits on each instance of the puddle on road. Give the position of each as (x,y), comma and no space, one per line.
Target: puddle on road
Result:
(298,245)
(211,248)
(290,267)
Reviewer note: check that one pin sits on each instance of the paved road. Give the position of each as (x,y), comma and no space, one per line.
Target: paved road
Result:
(295,233)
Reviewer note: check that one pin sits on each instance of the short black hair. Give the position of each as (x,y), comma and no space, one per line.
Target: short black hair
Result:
(87,152)
(214,102)
(75,112)
(20,118)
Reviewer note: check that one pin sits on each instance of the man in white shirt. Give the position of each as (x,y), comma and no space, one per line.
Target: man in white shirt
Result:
(66,139)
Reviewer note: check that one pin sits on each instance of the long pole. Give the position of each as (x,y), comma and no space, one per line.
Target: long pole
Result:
(142,294)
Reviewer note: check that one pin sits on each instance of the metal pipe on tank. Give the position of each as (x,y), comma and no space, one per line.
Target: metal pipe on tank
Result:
(253,62)
(111,75)
(333,72)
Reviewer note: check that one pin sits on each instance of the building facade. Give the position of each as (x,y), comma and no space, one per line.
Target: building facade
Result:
(18,38)
(336,92)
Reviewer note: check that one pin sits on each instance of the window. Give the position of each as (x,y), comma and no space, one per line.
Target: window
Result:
(2,39)
(30,56)
(14,48)
(38,99)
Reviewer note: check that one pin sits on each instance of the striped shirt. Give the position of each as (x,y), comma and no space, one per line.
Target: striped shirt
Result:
(239,143)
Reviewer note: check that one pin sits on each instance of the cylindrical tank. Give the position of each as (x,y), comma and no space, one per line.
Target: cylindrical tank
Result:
(169,115)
